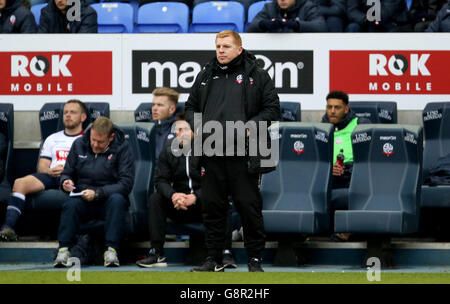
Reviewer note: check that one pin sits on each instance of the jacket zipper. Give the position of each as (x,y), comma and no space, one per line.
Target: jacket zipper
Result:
(187,172)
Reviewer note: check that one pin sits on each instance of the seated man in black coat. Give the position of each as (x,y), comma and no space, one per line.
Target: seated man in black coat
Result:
(442,21)
(16,18)
(177,195)
(58,17)
(288,16)
(393,13)
(334,12)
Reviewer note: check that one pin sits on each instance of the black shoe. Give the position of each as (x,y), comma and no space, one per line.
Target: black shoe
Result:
(254,265)
(209,265)
(228,260)
(154,259)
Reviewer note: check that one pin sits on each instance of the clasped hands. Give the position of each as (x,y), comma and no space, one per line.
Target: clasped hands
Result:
(182,201)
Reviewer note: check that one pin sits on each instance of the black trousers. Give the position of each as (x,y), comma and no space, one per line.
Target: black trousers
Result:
(224,176)
(160,208)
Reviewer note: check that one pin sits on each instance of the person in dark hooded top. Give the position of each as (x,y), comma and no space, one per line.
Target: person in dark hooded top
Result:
(58,17)
(16,18)
(288,16)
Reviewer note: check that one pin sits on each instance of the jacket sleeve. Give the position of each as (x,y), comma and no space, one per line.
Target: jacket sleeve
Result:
(337,8)
(264,14)
(354,13)
(44,22)
(89,22)
(435,26)
(163,175)
(192,105)
(313,21)
(28,24)
(69,171)
(124,185)
(270,102)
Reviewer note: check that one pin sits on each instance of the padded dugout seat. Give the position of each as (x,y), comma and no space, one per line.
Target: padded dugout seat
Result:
(384,193)
(143,112)
(296,195)
(383,112)
(290,111)
(114,17)
(139,135)
(436,124)
(7,128)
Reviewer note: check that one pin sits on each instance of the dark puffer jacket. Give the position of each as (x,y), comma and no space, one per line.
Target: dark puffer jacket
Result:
(54,21)
(304,12)
(109,172)
(16,18)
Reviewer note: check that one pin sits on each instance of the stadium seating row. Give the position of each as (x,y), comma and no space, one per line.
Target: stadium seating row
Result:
(385,193)
(169,17)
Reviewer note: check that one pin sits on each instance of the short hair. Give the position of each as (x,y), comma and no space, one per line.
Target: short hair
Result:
(103,125)
(236,37)
(338,95)
(80,103)
(170,93)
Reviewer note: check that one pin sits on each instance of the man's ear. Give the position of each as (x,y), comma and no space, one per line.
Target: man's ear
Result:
(347,109)
(172,109)
(83,117)
(111,138)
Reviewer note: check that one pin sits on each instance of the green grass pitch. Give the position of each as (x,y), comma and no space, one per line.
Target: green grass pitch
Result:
(122,277)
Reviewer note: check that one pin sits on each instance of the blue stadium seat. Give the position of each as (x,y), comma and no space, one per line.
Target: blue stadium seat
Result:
(296,195)
(384,193)
(114,17)
(163,17)
(436,124)
(290,111)
(384,112)
(7,128)
(254,9)
(213,17)
(36,10)
(143,112)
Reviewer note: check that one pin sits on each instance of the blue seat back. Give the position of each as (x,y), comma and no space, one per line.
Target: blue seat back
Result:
(163,17)
(290,111)
(384,112)
(51,116)
(143,112)
(387,168)
(114,17)
(254,9)
(97,109)
(436,124)
(7,128)
(216,16)
(139,137)
(300,185)
(36,10)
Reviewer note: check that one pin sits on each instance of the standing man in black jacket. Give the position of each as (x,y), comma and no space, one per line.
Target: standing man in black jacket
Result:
(230,89)
(16,18)
(54,18)
(288,16)
(100,165)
